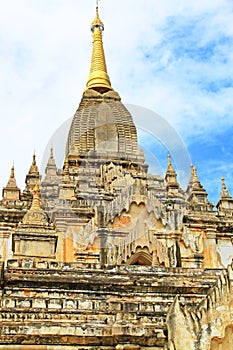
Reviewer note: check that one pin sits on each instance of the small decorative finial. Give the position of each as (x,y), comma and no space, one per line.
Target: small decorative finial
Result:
(195,179)
(97,23)
(224,193)
(51,152)
(169,159)
(34,158)
(223,183)
(171,175)
(12,182)
(33,167)
(36,199)
(195,173)
(12,171)
(169,163)
(35,215)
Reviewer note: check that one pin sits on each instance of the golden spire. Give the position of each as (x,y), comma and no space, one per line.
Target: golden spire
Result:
(98,78)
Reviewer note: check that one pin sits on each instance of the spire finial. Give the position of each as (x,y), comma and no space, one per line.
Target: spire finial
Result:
(51,152)
(169,163)
(170,176)
(34,158)
(224,193)
(169,159)
(33,167)
(195,173)
(36,204)
(223,183)
(98,78)
(12,182)
(195,179)
(36,208)
(11,191)
(12,171)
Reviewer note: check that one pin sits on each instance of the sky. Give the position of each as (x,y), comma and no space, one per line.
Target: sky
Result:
(174,58)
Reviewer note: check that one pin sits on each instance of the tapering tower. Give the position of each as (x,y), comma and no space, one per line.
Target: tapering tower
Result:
(11,192)
(35,236)
(103,164)
(98,78)
(102,129)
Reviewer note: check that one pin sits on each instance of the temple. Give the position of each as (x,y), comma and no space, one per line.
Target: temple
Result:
(103,255)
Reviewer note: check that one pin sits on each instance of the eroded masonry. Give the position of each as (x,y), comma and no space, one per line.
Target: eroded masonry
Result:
(103,255)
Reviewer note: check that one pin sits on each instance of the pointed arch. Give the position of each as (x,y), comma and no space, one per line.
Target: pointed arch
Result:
(142,256)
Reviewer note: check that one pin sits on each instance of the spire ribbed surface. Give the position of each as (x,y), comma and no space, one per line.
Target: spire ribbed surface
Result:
(102,123)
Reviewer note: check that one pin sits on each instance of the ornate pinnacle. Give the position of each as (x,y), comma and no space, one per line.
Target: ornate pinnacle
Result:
(170,176)
(169,163)
(223,183)
(12,182)
(98,78)
(224,193)
(36,202)
(35,215)
(12,171)
(195,181)
(34,167)
(51,152)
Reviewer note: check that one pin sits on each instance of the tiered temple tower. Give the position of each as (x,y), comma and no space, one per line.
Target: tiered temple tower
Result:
(102,255)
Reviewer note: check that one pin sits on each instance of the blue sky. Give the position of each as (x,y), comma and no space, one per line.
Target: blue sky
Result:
(174,58)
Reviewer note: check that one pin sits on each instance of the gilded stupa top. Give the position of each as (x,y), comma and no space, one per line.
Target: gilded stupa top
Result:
(97,22)
(98,78)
